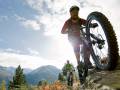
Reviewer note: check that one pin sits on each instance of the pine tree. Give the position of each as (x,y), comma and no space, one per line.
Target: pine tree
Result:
(10,86)
(3,85)
(18,78)
(39,83)
(61,77)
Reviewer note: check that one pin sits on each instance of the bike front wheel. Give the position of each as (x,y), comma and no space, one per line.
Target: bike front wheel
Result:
(104,49)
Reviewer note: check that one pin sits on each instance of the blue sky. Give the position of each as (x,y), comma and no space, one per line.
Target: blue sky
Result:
(30,30)
(13,34)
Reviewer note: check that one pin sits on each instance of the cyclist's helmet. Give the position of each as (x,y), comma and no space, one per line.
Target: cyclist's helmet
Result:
(74,7)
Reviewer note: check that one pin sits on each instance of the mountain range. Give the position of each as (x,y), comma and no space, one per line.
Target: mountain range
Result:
(49,73)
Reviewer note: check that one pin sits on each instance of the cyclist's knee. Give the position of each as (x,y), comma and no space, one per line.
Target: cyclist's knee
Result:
(77,48)
(86,48)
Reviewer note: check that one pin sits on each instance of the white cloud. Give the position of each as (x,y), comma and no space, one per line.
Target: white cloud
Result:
(19,18)
(51,13)
(26,61)
(12,50)
(33,52)
(52,24)
(31,24)
(45,6)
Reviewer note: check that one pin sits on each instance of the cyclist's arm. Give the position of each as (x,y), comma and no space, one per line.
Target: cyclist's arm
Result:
(65,28)
(73,69)
(83,21)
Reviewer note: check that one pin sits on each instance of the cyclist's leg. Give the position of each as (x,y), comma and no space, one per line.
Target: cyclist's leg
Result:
(72,80)
(68,83)
(68,78)
(86,53)
(77,52)
(75,41)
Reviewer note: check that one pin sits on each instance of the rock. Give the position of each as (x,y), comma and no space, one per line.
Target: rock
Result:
(97,79)
(104,87)
(103,80)
(98,85)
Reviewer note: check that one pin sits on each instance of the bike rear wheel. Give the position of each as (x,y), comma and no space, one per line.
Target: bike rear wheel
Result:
(104,52)
(82,72)
(70,79)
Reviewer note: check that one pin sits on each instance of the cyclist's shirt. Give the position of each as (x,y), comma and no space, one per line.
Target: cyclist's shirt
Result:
(74,34)
(68,67)
(74,26)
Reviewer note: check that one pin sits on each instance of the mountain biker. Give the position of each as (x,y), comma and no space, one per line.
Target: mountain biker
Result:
(68,72)
(72,28)
(68,67)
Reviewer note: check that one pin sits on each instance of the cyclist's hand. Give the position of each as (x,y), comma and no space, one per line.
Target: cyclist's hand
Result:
(94,25)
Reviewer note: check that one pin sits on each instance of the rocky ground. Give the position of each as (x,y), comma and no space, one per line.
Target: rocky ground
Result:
(103,80)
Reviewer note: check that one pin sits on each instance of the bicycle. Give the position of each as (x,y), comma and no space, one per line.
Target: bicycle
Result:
(70,79)
(102,42)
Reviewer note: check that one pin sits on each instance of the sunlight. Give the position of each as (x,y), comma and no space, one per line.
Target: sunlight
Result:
(65,50)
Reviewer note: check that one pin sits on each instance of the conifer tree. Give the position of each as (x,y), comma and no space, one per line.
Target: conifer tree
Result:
(18,78)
